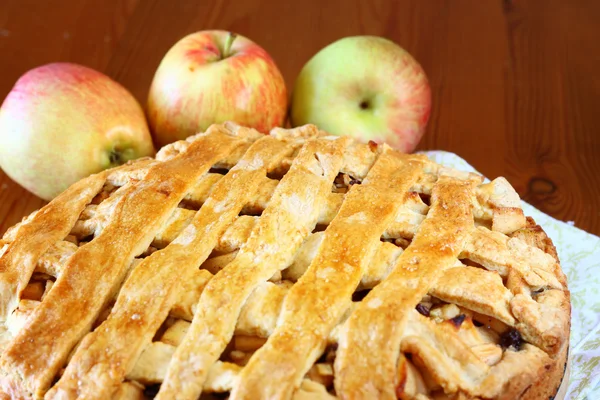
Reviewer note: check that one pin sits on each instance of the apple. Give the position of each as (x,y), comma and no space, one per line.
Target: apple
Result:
(211,77)
(367,87)
(62,122)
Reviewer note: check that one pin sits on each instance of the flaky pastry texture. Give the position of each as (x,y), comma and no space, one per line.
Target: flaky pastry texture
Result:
(294,265)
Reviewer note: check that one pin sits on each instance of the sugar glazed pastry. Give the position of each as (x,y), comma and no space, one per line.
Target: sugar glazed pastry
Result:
(295,265)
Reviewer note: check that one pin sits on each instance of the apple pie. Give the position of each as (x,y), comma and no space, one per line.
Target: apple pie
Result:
(295,265)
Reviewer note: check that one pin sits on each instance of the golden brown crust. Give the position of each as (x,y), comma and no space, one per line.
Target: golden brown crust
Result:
(290,231)
(550,379)
(366,359)
(34,238)
(320,297)
(136,219)
(290,216)
(138,312)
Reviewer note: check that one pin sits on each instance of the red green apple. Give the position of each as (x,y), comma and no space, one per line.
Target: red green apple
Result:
(62,122)
(367,87)
(211,77)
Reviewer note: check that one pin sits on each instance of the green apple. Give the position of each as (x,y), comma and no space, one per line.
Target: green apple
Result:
(367,87)
(62,122)
(211,77)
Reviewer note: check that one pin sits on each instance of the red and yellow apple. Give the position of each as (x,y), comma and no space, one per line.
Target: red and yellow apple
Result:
(367,87)
(62,122)
(211,77)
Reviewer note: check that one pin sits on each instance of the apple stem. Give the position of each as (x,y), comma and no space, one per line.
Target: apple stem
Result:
(115,158)
(228,42)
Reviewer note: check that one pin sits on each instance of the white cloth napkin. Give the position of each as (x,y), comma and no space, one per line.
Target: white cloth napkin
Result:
(579,254)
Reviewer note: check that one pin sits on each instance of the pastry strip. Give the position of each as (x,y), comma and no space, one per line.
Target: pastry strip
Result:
(49,225)
(92,275)
(365,365)
(290,216)
(107,354)
(405,224)
(317,301)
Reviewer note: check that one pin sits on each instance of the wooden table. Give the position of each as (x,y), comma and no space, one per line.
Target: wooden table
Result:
(515,84)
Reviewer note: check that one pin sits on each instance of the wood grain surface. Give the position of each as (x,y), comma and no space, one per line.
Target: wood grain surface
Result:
(515,84)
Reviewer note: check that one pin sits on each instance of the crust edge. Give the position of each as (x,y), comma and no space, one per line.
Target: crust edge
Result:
(549,380)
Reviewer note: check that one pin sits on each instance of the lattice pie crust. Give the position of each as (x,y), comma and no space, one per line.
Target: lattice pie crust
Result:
(291,265)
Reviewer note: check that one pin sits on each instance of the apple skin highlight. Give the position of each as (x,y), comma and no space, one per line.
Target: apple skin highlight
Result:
(367,87)
(62,122)
(196,85)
